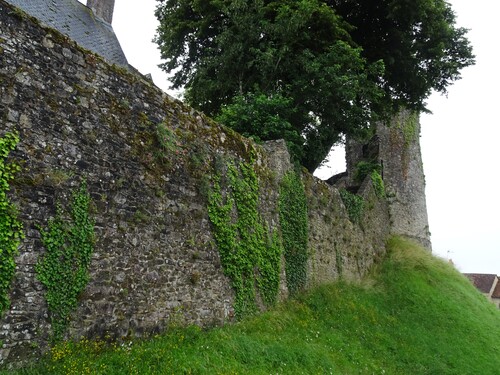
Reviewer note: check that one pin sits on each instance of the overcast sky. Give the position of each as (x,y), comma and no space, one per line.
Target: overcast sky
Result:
(460,140)
(461,151)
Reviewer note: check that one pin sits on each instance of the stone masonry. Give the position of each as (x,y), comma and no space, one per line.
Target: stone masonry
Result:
(155,258)
(396,147)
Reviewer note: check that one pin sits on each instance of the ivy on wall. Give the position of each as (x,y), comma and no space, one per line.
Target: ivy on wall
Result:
(409,128)
(378,184)
(354,204)
(63,269)
(249,253)
(294,230)
(372,169)
(365,168)
(11,229)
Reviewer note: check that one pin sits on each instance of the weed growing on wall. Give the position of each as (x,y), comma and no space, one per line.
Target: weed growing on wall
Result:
(63,270)
(170,145)
(354,204)
(167,139)
(378,184)
(10,227)
(294,229)
(365,168)
(410,128)
(249,254)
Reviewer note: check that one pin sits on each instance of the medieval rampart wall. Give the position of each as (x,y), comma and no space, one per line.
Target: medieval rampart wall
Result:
(155,256)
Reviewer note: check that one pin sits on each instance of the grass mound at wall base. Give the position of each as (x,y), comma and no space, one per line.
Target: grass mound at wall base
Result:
(414,315)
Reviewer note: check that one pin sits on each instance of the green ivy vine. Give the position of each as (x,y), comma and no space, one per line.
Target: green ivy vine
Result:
(372,169)
(378,184)
(249,253)
(11,229)
(294,230)
(64,268)
(409,127)
(365,168)
(354,204)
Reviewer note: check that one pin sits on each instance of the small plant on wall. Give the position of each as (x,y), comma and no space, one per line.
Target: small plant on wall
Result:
(365,168)
(63,270)
(372,169)
(378,184)
(354,204)
(10,227)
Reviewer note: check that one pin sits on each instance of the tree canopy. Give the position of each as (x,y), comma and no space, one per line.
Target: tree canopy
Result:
(418,41)
(309,71)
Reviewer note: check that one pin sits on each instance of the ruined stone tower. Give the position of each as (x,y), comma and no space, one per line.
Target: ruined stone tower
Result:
(102,9)
(396,147)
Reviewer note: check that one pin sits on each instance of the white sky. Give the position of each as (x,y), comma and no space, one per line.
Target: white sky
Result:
(460,141)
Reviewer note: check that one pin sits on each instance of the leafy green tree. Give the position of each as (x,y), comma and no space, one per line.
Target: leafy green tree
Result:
(300,51)
(263,118)
(418,41)
(337,63)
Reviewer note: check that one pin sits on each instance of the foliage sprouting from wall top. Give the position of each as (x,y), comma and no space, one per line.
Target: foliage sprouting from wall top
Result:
(337,71)
(378,184)
(365,168)
(219,54)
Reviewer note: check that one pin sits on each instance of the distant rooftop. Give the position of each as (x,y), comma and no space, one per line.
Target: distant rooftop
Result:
(496,292)
(483,282)
(72,18)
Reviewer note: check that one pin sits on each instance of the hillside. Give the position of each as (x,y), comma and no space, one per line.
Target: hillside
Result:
(414,315)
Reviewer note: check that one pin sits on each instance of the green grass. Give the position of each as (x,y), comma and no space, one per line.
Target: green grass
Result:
(414,315)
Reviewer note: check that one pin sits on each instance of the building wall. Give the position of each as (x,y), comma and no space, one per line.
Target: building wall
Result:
(155,257)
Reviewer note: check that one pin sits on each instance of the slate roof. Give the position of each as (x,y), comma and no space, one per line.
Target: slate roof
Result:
(496,292)
(483,282)
(72,18)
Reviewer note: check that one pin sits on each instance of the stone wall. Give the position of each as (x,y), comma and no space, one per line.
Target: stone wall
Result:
(404,177)
(155,258)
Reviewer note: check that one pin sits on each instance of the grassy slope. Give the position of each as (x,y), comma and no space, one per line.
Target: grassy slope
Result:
(415,315)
